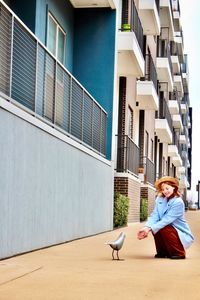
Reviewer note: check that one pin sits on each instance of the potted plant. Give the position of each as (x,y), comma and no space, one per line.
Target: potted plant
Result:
(126,27)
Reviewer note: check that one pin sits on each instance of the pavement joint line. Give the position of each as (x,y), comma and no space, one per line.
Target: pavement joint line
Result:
(23,275)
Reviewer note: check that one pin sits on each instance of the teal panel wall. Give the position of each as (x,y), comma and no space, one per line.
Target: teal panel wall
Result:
(25,10)
(63,12)
(94,49)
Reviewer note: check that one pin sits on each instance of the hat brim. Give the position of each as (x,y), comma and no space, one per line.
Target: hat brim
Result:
(168,179)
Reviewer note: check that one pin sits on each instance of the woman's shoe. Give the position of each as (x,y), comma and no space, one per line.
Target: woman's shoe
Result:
(177,257)
(160,255)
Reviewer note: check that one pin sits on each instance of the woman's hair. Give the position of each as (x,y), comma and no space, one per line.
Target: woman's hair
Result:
(176,190)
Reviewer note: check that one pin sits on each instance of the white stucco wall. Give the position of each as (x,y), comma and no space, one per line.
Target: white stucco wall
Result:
(50,191)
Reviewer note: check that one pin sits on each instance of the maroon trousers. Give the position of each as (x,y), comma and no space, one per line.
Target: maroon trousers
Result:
(168,243)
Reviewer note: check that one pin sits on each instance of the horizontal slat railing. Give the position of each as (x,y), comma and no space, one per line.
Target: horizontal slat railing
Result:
(127,155)
(33,78)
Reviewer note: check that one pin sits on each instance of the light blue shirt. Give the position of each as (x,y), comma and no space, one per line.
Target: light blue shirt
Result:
(171,212)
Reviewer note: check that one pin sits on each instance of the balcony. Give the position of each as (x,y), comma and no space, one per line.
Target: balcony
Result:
(130,58)
(181,170)
(130,42)
(178,84)
(177,161)
(164,64)
(173,107)
(163,131)
(163,123)
(146,94)
(34,80)
(177,122)
(185,82)
(148,168)
(183,182)
(175,64)
(149,16)
(178,39)
(173,152)
(93,3)
(127,155)
(182,139)
(183,108)
(177,20)
(166,17)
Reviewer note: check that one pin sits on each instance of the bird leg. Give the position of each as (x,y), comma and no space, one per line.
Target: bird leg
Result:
(113,254)
(118,256)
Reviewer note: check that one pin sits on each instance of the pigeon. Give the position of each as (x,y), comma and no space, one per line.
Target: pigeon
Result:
(117,244)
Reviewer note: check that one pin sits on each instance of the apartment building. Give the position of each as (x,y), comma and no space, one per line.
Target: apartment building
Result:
(94,99)
(153,136)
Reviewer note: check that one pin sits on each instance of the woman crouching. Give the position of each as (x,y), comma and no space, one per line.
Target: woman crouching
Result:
(171,232)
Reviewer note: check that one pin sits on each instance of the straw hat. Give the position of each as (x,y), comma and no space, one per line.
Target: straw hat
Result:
(167,179)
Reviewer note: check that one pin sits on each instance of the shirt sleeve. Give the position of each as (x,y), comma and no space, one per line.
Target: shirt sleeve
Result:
(175,211)
(154,217)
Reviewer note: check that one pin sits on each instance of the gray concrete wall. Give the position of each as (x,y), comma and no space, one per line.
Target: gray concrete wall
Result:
(50,191)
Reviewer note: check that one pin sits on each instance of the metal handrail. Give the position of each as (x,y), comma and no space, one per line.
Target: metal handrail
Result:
(150,70)
(164,113)
(131,18)
(127,155)
(149,170)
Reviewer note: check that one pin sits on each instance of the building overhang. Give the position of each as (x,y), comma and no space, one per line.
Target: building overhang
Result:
(130,58)
(93,3)
(164,72)
(177,161)
(166,17)
(182,139)
(172,151)
(149,17)
(181,170)
(175,64)
(183,183)
(147,96)
(173,107)
(177,122)
(178,84)
(163,131)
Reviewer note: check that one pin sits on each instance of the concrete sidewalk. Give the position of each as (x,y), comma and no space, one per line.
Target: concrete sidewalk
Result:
(84,270)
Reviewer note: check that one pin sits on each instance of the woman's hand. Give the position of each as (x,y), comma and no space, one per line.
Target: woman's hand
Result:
(143,233)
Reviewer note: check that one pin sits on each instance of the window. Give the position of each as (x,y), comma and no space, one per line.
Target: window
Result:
(130,122)
(56,38)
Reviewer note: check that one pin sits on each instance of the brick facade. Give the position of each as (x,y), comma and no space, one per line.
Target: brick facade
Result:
(148,193)
(131,188)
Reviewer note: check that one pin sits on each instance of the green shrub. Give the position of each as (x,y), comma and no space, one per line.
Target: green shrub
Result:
(143,209)
(121,206)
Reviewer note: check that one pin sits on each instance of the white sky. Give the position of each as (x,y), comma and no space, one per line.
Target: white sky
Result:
(190,19)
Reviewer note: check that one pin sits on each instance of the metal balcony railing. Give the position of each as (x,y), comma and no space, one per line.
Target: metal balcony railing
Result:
(30,77)
(175,141)
(175,5)
(186,99)
(164,113)
(127,155)
(158,6)
(163,50)
(131,21)
(149,170)
(173,95)
(150,71)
